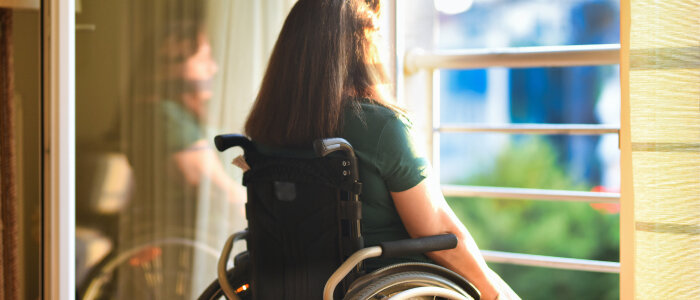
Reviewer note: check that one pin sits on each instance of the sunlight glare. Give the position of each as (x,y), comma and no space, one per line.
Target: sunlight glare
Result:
(453,7)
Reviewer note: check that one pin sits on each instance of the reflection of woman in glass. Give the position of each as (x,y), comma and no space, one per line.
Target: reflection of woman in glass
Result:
(191,152)
(167,147)
(323,80)
(171,159)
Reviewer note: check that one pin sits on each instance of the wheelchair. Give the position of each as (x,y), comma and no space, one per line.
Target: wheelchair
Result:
(304,236)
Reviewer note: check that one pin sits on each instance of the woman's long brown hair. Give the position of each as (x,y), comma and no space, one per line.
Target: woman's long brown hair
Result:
(324,61)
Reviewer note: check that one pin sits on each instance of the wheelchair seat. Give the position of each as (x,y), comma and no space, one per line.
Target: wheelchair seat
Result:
(304,235)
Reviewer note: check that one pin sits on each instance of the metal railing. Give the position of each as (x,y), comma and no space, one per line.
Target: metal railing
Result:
(524,57)
(568,129)
(528,194)
(551,262)
(521,57)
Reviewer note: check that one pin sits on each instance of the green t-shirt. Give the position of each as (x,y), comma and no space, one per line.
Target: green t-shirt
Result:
(388,162)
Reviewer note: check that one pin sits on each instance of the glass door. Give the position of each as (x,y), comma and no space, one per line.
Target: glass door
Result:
(155,82)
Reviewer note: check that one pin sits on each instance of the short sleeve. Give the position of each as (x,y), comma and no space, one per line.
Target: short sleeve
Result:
(181,128)
(400,164)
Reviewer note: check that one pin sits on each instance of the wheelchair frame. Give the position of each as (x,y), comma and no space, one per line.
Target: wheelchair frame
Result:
(448,284)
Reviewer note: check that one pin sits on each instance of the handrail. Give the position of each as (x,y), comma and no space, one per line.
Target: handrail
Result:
(515,57)
(523,57)
(569,129)
(551,262)
(529,194)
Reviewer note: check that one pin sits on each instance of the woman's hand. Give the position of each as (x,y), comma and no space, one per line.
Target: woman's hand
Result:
(196,162)
(504,290)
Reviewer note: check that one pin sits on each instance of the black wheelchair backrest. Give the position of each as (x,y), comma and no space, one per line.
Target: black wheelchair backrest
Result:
(303,217)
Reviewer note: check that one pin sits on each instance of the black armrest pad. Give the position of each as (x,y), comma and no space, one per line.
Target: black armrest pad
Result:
(418,245)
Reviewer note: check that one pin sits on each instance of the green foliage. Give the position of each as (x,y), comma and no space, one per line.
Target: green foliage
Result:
(541,227)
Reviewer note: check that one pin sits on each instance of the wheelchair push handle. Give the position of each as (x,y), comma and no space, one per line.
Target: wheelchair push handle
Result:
(323,147)
(327,146)
(418,245)
(226,141)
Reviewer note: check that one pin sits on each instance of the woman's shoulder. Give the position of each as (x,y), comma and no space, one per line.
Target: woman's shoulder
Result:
(372,118)
(376,108)
(371,124)
(372,112)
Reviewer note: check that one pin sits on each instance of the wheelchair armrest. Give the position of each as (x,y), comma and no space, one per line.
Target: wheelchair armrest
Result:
(418,245)
(389,249)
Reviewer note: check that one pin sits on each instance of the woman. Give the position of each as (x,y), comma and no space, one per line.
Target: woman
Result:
(324,79)
(168,147)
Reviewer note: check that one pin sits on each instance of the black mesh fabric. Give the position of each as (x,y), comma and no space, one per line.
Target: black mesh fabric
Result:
(294,224)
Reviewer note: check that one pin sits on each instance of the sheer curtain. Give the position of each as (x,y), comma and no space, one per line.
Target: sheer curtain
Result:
(661,146)
(242,35)
(156,81)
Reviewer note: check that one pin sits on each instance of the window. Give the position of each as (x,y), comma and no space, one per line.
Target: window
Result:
(132,220)
(525,107)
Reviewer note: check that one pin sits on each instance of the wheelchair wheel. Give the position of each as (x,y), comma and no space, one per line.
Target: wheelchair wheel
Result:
(238,277)
(149,274)
(396,283)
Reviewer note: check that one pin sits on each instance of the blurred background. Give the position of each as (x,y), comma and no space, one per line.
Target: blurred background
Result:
(157,79)
(578,95)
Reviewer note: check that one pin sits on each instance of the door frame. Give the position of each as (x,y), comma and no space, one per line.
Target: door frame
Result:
(58,143)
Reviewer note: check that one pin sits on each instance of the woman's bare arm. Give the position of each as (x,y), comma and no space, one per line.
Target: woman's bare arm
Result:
(199,161)
(425,212)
